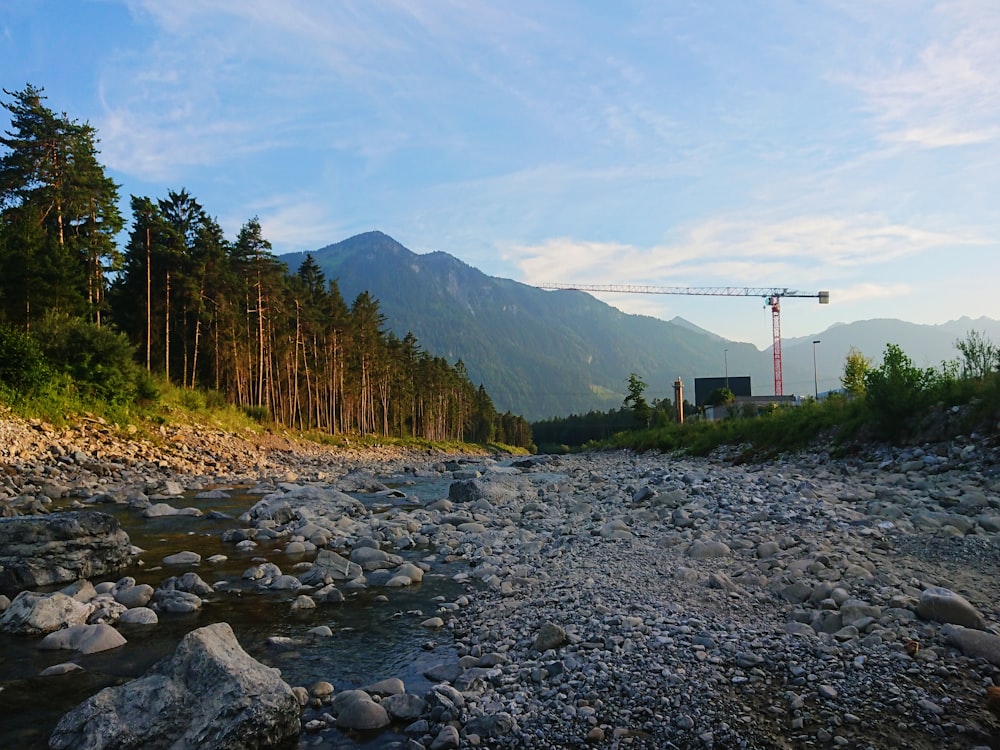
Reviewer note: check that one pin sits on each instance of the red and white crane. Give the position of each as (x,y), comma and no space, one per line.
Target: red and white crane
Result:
(772,296)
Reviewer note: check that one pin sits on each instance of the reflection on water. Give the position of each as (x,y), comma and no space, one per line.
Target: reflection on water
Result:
(372,640)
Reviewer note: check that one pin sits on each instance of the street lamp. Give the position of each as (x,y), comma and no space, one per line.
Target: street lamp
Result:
(815,376)
(725,353)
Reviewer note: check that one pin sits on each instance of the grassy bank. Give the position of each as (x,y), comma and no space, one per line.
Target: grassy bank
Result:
(62,405)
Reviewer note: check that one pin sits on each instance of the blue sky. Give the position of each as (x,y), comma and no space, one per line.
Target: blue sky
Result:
(841,145)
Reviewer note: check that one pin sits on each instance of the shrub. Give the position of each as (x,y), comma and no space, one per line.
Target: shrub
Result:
(22,364)
(896,390)
(99,359)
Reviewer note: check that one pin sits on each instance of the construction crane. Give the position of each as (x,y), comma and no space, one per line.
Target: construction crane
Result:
(772,296)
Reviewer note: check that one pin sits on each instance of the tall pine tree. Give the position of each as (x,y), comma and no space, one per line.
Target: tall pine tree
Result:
(58,214)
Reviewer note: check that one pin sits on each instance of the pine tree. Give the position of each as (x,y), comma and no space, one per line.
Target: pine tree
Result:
(59,213)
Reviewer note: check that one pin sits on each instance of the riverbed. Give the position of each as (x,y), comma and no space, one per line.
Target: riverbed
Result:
(376,633)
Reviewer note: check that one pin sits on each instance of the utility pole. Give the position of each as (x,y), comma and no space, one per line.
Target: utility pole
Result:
(815,376)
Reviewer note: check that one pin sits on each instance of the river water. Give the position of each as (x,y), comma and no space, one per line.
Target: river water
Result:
(372,640)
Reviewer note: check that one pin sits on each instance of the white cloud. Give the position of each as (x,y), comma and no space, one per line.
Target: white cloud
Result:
(723,252)
(948,93)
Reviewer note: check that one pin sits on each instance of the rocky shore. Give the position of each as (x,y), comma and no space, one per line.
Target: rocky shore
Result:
(610,599)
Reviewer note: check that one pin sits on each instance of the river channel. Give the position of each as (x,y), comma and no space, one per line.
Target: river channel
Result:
(372,639)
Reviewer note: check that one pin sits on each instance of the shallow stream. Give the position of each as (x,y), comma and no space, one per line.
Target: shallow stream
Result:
(372,640)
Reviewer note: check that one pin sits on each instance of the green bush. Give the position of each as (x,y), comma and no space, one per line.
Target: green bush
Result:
(99,359)
(23,367)
(897,390)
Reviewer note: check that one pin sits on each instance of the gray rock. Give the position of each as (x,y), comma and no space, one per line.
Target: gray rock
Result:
(447,672)
(139,616)
(227,699)
(471,490)
(491,725)
(945,606)
(329,567)
(704,549)
(977,644)
(356,710)
(60,547)
(134,596)
(389,686)
(404,707)
(59,669)
(176,602)
(32,613)
(182,558)
(370,558)
(160,510)
(447,738)
(549,636)
(87,639)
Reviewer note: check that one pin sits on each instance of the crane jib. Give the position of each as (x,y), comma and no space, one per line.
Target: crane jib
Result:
(772,295)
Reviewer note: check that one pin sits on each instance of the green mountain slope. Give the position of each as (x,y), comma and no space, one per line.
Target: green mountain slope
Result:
(539,353)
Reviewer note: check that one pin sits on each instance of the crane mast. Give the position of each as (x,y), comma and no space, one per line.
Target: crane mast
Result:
(772,295)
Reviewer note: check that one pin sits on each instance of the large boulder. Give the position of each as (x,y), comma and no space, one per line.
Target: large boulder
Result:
(39,551)
(209,694)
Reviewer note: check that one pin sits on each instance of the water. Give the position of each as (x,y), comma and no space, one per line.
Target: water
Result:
(372,640)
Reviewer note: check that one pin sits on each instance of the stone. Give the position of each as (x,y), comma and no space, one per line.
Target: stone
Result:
(447,739)
(491,725)
(59,669)
(945,606)
(705,549)
(404,707)
(160,510)
(374,559)
(182,558)
(974,643)
(446,672)
(389,686)
(329,567)
(356,710)
(227,699)
(473,490)
(134,596)
(32,613)
(87,639)
(190,582)
(139,616)
(176,602)
(60,547)
(549,636)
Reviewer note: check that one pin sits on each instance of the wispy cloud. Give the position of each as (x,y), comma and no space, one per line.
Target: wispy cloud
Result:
(948,93)
(724,252)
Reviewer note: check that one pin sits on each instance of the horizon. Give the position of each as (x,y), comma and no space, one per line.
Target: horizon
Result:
(841,147)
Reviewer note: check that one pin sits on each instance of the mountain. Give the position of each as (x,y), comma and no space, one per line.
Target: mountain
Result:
(539,353)
(552,353)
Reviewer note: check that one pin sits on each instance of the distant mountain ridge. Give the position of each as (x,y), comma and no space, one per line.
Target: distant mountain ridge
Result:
(552,353)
